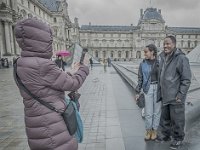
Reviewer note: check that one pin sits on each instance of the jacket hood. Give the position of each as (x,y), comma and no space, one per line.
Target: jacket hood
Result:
(34,38)
(176,53)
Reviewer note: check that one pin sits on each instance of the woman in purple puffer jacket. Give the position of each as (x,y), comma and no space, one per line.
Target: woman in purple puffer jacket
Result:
(45,129)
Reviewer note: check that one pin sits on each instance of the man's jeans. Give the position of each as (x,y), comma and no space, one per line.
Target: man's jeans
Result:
(152,108)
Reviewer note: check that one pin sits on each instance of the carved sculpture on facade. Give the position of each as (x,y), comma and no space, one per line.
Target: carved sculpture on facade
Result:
(46,10)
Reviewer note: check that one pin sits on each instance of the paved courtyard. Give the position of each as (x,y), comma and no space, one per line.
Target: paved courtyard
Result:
(112,121)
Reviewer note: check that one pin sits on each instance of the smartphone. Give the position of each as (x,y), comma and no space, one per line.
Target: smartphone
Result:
(85,50)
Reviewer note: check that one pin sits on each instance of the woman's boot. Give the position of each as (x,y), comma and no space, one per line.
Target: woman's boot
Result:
(153,134)
(147,136)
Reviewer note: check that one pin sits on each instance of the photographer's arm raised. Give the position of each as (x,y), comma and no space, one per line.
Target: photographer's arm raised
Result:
(53,77)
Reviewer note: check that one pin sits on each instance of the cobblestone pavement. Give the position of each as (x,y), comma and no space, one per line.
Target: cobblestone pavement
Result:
(111,119)
(97,112)
(12,134)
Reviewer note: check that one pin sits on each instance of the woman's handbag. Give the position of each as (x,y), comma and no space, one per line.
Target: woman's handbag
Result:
(141,101)
(69,115)
(79,132)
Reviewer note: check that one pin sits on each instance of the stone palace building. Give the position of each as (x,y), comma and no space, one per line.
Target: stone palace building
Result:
(117,42)
(53,12)
(127,42)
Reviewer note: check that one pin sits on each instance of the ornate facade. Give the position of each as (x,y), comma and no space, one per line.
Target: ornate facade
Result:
(127,42)
(53,12)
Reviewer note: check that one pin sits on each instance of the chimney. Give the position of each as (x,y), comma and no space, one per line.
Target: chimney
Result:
(159,10)
(141,12)
(76,20)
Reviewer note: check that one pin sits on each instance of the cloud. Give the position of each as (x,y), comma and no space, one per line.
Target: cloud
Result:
(126,12)
(178,4)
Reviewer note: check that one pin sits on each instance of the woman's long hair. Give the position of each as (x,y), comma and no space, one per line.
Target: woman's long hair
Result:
(152,48)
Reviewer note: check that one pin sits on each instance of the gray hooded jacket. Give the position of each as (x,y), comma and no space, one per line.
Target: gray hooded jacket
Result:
(174,77)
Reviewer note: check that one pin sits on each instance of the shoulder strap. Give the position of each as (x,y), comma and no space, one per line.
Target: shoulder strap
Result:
(23,87)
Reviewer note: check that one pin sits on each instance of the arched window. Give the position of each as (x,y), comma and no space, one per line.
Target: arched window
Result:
(104,54)
(30,15)
(138,54)
(29,6)
(182,43)
(34,9)
(189,43)
(96,54)
(111,54)
(195,43)
(119,54)
(127,54)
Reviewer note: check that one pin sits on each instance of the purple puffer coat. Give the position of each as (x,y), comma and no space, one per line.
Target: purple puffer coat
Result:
(45,128)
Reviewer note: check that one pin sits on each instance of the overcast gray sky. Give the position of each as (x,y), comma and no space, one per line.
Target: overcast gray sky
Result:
(184,13)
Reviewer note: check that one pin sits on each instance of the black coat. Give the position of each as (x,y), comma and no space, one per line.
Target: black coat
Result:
(174,77)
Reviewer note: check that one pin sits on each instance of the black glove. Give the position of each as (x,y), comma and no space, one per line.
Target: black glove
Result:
(74,96)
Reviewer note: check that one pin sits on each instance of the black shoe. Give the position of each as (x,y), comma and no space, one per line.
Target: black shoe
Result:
(175,144)
(163,139)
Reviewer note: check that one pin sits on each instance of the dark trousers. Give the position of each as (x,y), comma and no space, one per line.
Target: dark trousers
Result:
(172,121)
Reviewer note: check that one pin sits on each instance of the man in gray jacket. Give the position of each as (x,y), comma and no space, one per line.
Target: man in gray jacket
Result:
(174,82)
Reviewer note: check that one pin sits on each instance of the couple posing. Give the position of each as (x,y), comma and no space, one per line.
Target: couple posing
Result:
(165,82)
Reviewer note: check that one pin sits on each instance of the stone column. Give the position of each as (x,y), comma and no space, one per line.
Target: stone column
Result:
(101,54)
(18,50)
(11,39)
(7,36)
(8,2)
(14,4)
(64,36)
(123,54)
(134,53)
(115,54)
(93,53)
(131,54)
(1,39)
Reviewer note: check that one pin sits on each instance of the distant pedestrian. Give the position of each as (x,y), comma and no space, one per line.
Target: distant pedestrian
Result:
(60,62)
(109,61)
(104,65)
(2,62)
(91,63)
(174,82)
(6,63)
(45,128)
(147,82)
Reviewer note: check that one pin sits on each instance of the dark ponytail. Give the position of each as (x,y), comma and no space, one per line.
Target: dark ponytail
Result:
(153,48)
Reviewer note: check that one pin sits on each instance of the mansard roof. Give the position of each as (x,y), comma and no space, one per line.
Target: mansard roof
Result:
(151,14)
(107,28)
(52,5)
(184,30)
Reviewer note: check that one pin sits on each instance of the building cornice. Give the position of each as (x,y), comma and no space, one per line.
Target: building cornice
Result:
(6,15)
(36,2)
